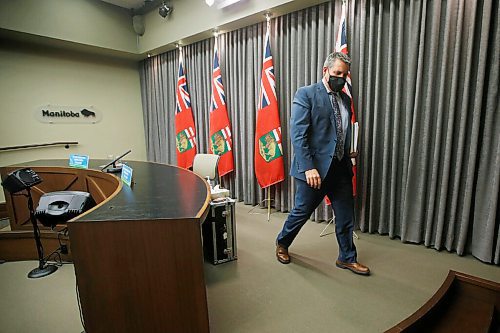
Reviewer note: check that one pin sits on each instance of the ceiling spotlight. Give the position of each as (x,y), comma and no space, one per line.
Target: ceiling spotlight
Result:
(164,10)
(210,2)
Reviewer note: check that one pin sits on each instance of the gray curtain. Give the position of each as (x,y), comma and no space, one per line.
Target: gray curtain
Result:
(427,99)
(425,79)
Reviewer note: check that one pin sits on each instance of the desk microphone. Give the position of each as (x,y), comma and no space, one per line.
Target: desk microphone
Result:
(114,168)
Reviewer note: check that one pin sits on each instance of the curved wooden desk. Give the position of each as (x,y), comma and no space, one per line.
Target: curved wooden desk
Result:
(463,303)
(138,254)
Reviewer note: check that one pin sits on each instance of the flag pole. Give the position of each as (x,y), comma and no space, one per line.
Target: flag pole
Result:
(267,133)
(268,21)
(268,203)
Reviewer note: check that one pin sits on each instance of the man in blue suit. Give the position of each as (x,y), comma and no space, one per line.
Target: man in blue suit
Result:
(321,164)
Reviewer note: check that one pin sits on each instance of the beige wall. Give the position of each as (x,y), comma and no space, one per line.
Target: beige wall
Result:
(31,77)
(87,22)
(98,25)
(191,17)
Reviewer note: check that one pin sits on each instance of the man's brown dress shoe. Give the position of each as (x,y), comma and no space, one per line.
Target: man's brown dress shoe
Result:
(282,254)
(354,267)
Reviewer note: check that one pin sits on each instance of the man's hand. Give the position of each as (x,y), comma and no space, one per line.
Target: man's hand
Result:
(313,179)
(353,154)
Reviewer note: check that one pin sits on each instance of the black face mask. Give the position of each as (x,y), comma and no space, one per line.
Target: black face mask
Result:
(336,83)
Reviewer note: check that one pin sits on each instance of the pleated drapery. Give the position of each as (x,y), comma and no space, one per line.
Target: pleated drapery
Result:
(428,99)
(425,87)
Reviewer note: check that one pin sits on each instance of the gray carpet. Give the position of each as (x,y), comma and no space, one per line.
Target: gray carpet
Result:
(258,294)
(4,223)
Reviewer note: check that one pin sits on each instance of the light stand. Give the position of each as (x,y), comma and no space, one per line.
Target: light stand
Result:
(24,179)
(42,269)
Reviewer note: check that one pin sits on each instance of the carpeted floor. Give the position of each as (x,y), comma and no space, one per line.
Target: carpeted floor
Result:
(259,295)
(4,223)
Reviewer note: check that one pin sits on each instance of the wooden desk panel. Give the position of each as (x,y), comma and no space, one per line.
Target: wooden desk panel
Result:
(140,277)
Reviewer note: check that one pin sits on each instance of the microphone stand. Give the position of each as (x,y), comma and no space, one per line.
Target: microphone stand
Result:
(42,269)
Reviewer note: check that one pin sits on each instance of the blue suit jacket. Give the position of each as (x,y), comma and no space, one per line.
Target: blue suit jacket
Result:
(313,131)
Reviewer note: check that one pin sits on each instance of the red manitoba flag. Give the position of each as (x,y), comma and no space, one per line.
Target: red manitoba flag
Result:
(220,129)
(185,134)
(269,167)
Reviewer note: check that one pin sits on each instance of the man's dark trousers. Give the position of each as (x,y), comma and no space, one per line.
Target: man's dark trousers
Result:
(337,185)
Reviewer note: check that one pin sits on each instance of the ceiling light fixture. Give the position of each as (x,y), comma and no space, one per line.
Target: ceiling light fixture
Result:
(164,10)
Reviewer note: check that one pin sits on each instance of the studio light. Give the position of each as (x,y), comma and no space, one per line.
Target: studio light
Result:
(164,10)
(23,180)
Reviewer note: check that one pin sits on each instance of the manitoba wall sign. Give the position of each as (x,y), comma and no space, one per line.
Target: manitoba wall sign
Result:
(52,114)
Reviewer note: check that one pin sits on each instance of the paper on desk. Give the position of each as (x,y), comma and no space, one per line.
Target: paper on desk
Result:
(354,137)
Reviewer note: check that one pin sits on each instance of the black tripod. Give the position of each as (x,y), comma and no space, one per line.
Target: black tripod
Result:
(42,269)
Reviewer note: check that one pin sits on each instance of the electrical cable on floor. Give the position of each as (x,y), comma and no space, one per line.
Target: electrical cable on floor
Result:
(57,253)
(57,260)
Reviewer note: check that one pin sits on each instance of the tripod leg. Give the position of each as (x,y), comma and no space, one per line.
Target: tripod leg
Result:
(324,229)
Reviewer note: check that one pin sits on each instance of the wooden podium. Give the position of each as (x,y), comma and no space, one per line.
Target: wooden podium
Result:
(138,254)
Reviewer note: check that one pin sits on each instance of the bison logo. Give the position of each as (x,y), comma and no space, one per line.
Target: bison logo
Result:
(87,113)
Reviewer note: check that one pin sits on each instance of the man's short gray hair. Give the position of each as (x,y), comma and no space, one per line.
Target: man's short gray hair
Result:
(334,56)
